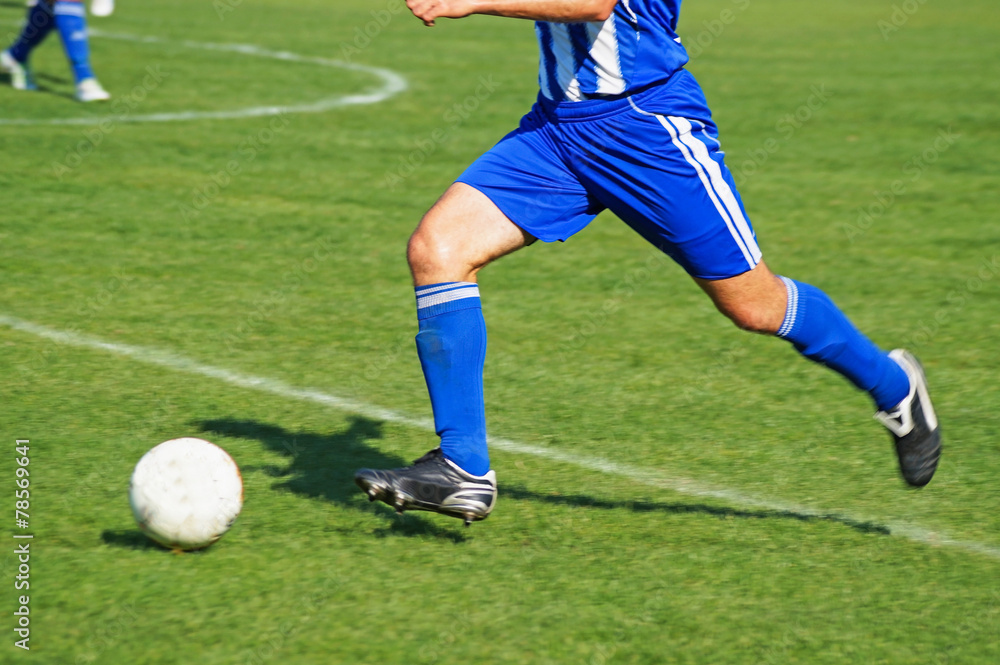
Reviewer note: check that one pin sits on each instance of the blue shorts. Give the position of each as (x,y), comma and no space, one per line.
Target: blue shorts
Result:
(653,159)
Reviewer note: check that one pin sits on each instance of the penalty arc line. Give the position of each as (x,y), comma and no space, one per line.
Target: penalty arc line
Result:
(391,84)
(172,361)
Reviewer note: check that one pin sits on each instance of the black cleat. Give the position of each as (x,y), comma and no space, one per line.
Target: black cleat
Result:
(433,483)
(914,425)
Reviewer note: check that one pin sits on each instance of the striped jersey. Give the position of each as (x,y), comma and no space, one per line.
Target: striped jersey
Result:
(635,47)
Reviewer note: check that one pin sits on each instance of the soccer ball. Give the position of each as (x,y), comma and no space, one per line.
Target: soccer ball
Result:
(186,493)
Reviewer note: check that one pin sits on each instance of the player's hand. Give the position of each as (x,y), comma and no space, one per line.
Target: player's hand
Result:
(428,10)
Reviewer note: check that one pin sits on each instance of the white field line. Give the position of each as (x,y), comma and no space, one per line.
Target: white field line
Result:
(652,478)
(390,84)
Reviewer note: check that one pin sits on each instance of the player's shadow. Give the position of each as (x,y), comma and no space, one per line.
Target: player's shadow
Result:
(43,81)
(722,512)
(322,466)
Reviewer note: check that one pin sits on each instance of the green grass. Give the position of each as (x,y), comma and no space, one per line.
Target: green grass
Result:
(294,271)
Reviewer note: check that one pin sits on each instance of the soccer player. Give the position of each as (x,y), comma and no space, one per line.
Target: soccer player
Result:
(621,125)
(68,17)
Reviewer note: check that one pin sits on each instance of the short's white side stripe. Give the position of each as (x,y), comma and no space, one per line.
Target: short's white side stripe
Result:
(645,476)
(427,290)
(704,181)
(792,310)
(447,296)
(631,13)
(700,151)
(707,135)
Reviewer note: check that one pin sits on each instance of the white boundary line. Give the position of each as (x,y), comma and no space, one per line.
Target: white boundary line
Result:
(391,84)
(152,356)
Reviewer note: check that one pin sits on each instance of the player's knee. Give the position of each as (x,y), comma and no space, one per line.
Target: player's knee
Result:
(430,253)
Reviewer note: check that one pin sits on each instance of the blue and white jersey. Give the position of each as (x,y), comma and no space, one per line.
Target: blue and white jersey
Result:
(635,47)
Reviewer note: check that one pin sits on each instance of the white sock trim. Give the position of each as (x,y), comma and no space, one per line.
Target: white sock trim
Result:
(792,310)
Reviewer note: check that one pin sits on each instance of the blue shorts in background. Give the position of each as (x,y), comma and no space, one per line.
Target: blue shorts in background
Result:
(652,158)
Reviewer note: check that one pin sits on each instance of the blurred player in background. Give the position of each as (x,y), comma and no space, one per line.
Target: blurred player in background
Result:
(70,18)
(620,125)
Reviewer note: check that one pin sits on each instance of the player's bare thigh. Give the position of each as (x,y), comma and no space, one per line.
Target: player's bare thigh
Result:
(459,235)
(755,300)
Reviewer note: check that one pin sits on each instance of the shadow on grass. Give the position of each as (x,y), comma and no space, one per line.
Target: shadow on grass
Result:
(132,539)
(322,466)
(5,80)
(581,501)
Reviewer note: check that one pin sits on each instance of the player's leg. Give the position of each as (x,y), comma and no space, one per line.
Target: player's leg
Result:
(762,302)
(680,195)
(804,315)
(71,21)
(459,235)
(515,193)
(462,233)
(14,60)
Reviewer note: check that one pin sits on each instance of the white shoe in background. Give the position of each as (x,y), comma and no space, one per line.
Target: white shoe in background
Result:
(102,7)
(89,90)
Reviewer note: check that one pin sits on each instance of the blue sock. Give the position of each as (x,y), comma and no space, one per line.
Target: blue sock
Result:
(37,28)
(821,332)
(452,349)
(71,20)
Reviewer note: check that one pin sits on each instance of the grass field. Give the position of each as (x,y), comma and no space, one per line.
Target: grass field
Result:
(672,490)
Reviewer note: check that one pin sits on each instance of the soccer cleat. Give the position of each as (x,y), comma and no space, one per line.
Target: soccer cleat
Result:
(89,90)
(914,425)
(102,8)
(20,74)
(433,483)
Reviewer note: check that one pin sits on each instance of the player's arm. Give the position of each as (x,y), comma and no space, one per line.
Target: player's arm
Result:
(562,11)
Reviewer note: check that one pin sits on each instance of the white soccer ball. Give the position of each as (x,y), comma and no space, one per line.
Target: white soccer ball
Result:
(186,493)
